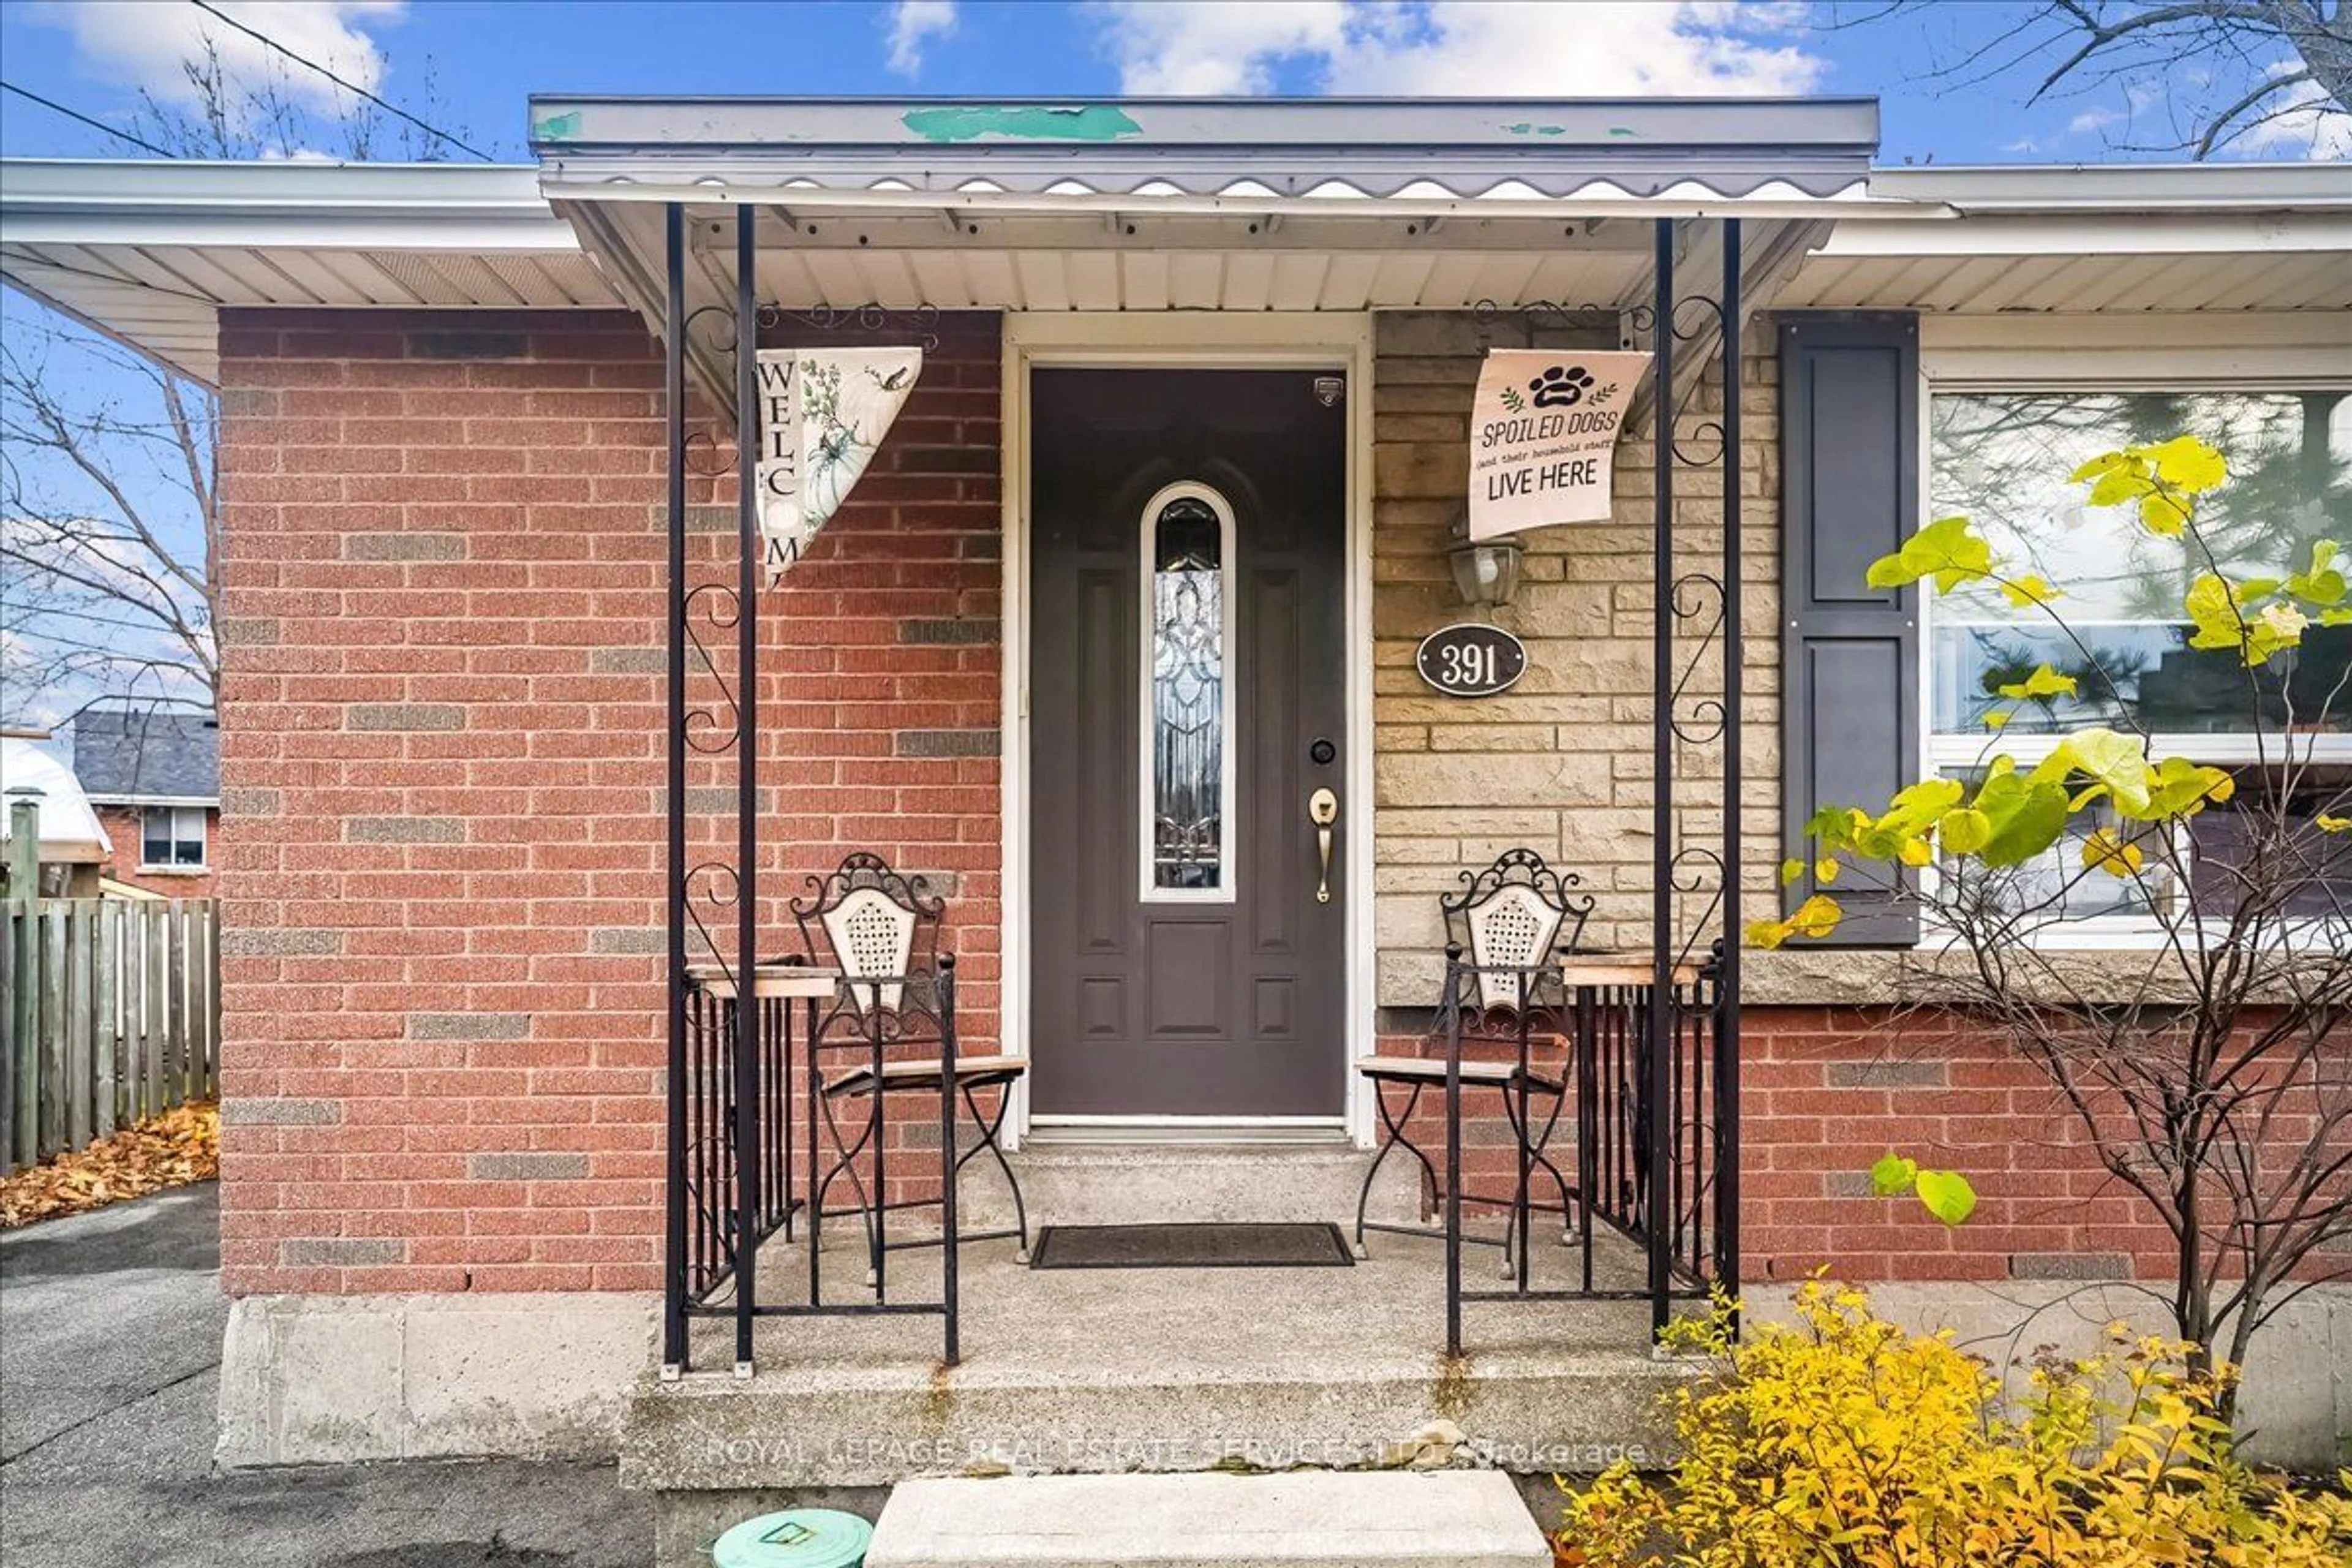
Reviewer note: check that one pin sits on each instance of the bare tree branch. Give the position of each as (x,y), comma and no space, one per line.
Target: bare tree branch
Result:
(2210,64)
(110,520)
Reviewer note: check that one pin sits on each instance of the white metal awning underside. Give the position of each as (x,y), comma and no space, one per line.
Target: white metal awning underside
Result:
(151,252)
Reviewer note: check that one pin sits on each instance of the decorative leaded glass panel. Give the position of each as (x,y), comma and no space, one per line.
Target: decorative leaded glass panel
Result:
(1187,693)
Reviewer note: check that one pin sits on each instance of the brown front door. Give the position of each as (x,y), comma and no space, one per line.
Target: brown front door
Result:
(1187,699)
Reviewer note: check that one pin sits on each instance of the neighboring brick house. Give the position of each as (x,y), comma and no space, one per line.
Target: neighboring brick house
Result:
(154,774)
(446,487)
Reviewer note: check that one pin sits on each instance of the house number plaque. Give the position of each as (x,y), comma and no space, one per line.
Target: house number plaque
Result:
(1471,661)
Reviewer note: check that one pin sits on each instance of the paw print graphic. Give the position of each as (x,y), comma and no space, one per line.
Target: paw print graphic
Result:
(1561,387)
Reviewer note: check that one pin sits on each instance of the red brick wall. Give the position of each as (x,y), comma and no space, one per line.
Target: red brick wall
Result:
(125,829)
(442,738)
(1826,1091)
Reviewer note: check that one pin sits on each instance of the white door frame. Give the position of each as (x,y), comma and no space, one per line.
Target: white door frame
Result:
(1270,340)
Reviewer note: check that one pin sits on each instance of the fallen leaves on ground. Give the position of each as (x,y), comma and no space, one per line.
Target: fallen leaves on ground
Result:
(180,1146)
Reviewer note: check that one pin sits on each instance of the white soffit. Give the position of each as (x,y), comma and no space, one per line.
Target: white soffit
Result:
(149,251)
(2118,239)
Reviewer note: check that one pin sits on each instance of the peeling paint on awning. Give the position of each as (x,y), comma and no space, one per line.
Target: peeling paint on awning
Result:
(1021,123)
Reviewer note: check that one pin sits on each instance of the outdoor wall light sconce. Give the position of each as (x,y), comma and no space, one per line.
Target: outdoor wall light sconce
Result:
(1486,571)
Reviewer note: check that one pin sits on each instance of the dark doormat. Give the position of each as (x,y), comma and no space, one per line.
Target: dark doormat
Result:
(1318,1244)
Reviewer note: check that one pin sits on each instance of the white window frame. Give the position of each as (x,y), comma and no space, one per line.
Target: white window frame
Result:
(1965,369)
(203,862)
(1147,784)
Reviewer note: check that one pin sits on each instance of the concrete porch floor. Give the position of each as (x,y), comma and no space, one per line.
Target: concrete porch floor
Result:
(1096,1371)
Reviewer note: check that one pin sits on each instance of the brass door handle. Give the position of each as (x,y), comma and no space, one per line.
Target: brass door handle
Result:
(1323,810)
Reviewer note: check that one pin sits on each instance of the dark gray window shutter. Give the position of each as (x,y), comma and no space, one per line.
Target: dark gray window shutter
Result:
(1850,653)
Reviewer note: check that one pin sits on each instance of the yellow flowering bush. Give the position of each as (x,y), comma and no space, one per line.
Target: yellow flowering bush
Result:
(1843,1441)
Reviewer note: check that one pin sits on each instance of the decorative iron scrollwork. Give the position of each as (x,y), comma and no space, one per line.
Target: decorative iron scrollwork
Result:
(1712,317)
(921,321)
(720,609)
(1563,316)
(1697,869)
(711,884)
(1708,451)
(711,328)
(1695,720)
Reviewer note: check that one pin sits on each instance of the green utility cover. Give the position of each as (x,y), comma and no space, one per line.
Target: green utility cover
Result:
(801,1538)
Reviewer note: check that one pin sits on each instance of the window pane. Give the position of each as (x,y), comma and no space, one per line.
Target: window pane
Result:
(2305,875)
(2003,459)
(2145,674)
(188,837)
(2055,885)
(155,836)
(1188,687)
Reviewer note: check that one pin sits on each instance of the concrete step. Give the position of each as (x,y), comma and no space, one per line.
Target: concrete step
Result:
(1456,1518)
(1142,1184)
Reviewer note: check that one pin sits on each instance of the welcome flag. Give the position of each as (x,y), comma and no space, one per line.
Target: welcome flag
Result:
(823,414)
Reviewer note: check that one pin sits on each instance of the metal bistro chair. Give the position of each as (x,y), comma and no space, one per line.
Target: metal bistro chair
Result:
(881,928)
(1504,930)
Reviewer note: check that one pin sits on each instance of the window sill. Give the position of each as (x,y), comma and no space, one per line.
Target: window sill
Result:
(1882,977)
(175,871)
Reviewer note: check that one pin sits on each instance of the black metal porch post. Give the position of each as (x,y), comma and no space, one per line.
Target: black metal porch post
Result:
(1658,1221)
(1451,1002)
(1727,996)
(674,1351)
(748,566)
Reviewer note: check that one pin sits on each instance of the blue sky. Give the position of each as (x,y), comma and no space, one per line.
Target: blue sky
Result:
(472,64)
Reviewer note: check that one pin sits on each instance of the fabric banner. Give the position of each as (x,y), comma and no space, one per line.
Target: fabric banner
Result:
(1543,437)
(823,414)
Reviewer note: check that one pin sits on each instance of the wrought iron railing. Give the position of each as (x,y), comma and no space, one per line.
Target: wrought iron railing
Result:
(702,1163)
(740,1111)
(1655,1123)
(722,1186)
(1619,1075)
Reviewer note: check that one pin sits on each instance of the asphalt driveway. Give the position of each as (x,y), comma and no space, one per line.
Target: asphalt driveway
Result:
(110,1330)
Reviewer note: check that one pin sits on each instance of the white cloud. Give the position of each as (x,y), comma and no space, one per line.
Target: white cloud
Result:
(913,24)
(1214,46)
(1559,49)
(2302,123)
(145,42)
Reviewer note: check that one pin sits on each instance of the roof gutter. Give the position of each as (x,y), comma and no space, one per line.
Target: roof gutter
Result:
(72,201)
(2137,189)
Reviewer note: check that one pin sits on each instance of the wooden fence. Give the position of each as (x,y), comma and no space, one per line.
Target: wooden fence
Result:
(111,1013)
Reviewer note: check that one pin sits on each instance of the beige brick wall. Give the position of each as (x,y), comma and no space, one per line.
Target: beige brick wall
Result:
(1561,762)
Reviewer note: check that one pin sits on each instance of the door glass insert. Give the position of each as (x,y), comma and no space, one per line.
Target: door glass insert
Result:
(1187,777)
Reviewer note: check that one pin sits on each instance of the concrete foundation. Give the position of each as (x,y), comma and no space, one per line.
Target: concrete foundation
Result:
(325,1380)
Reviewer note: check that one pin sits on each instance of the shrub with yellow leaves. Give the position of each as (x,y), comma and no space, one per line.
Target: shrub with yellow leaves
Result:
(1843,1441)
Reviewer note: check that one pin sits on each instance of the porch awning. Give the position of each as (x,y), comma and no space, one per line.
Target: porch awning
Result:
(1159,205)
(1181,153)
